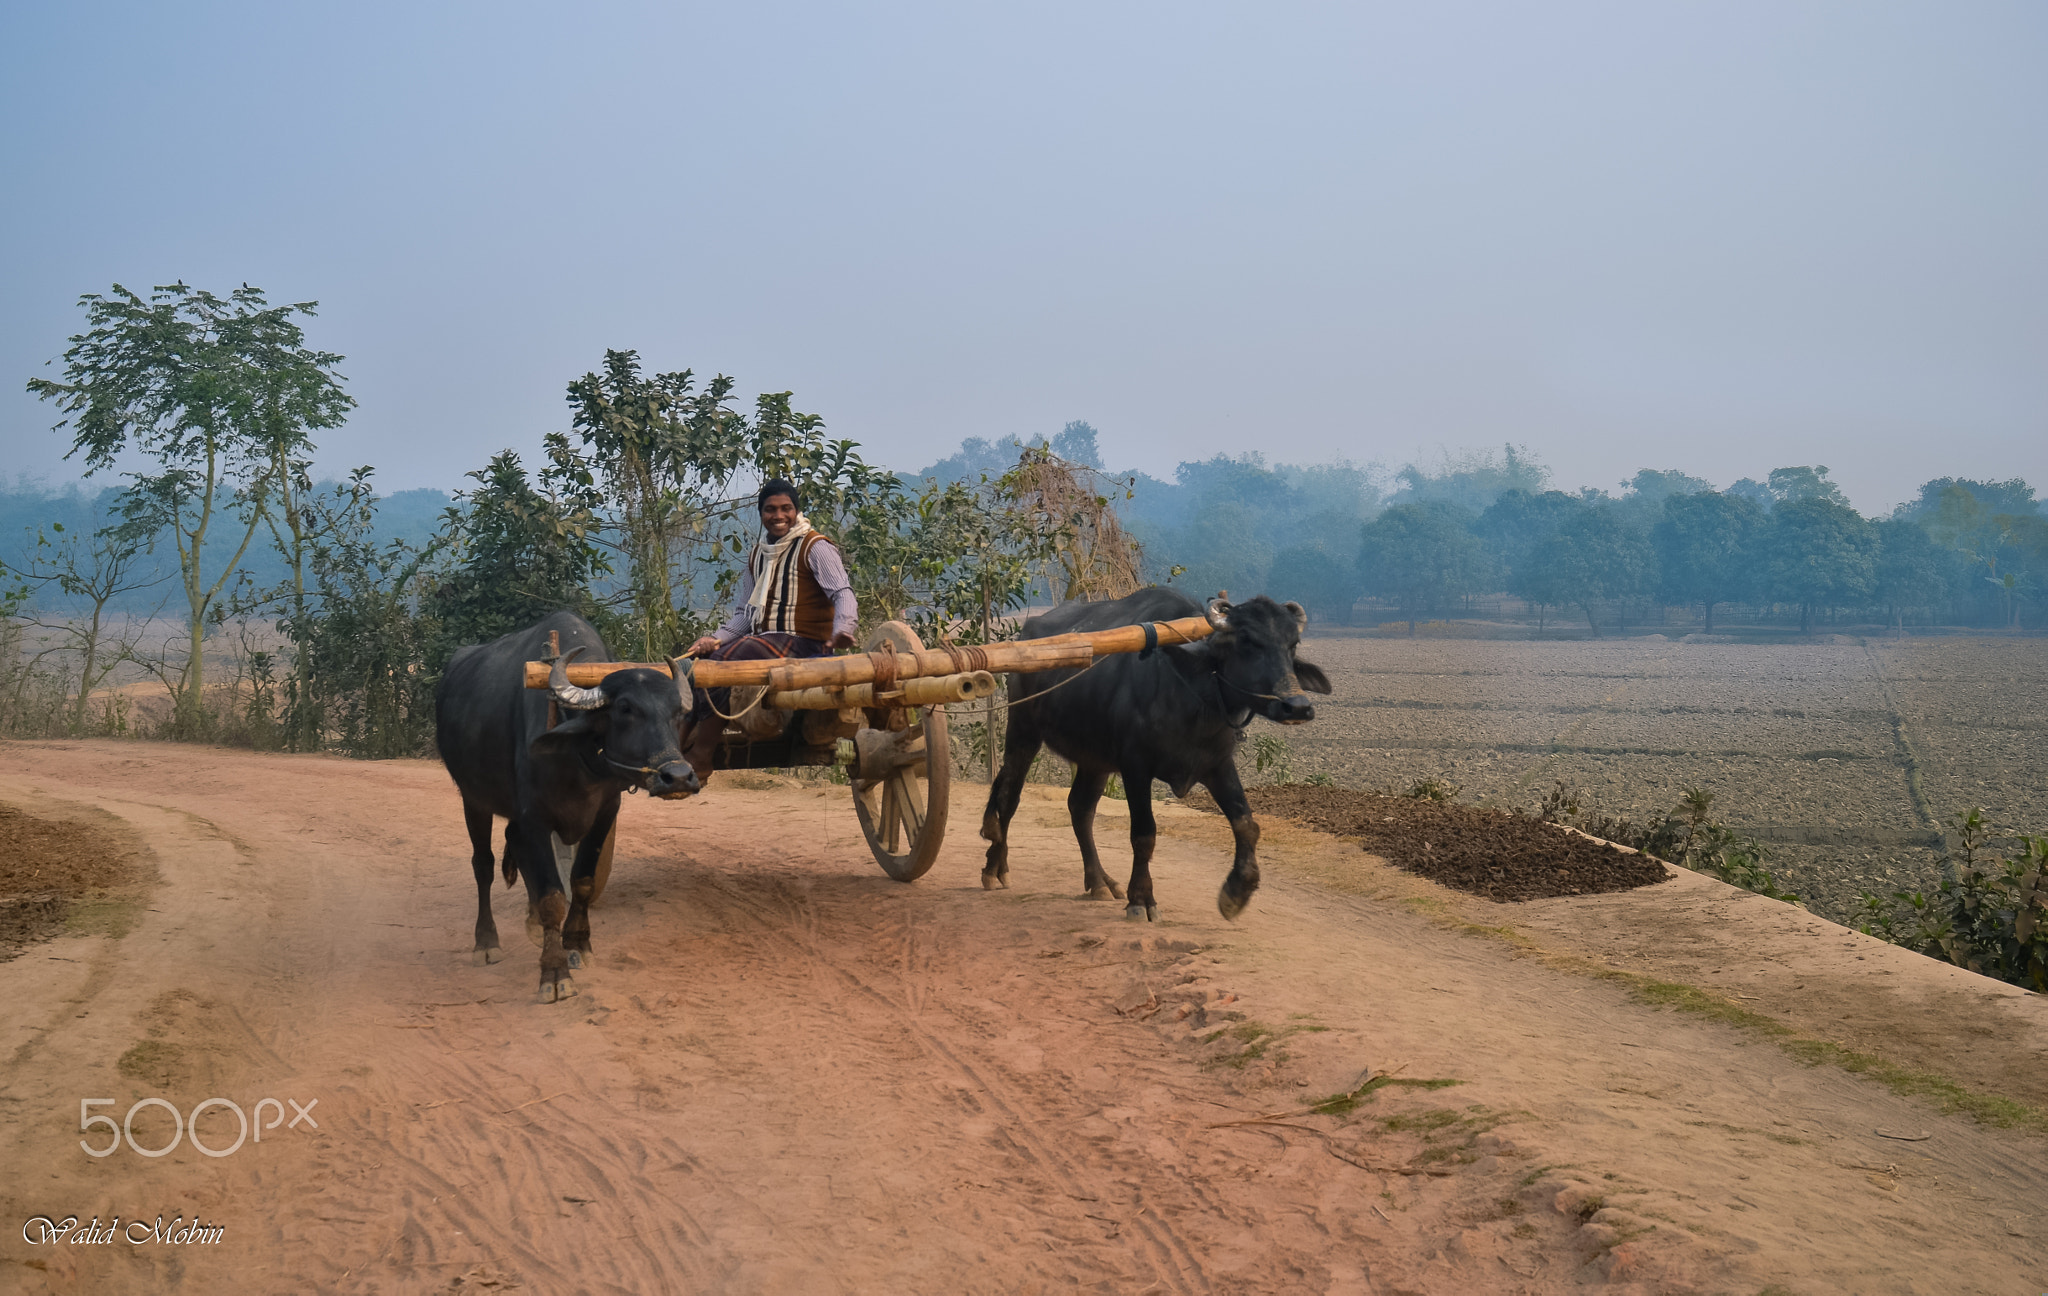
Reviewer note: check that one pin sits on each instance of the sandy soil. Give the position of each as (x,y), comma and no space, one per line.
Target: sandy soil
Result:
(787,1074)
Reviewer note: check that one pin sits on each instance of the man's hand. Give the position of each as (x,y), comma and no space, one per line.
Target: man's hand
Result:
(702,646)
(840,640)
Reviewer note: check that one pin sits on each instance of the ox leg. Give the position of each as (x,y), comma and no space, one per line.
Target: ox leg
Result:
(1081,802)
(582,880)
(547,908)
(1144,836)
(479,824)
(1237,890)
(1019,750)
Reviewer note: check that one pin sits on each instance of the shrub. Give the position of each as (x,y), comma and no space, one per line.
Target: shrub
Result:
(1989,915)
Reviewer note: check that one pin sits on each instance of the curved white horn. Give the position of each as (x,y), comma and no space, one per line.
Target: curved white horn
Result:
(681,669)
(1218,613)
(569,695)
(1300,616)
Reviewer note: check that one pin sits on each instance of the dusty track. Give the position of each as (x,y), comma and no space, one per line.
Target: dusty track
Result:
(788,1074)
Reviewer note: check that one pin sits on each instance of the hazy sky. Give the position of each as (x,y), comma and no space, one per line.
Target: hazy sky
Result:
(1717,237)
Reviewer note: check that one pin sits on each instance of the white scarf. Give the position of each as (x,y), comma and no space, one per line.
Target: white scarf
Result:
(773,565)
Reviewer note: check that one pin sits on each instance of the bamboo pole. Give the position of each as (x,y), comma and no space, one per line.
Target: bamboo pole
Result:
(925,690)
(783,674)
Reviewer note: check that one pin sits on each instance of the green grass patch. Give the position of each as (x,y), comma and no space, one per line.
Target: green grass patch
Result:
(1341,1104)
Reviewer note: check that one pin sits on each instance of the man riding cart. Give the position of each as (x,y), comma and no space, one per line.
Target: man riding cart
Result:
(794,601)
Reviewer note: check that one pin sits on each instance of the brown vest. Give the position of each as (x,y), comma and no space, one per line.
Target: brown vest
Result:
(813,606)
(794,602)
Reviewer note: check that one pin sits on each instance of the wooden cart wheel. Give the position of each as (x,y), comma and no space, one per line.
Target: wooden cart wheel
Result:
(901,775)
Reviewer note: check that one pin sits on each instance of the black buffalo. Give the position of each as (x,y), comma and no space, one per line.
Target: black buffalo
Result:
(494,737)
(1175,714)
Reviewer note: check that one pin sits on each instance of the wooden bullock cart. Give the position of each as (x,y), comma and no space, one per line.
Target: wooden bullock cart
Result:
(880,714)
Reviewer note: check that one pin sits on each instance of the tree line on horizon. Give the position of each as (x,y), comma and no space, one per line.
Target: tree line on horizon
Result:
(205,409)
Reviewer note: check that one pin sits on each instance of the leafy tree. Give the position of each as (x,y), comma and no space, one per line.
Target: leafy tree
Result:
(1325,583)
(1420,557)
(1076,444)
(1910,568)
(666,454)
(1754,491)
(522,549)
(219,393)
(2012,496)
(1818,554)
(1705,545)
(1797,485)
(1591,558)
(368,633)
(1518,521)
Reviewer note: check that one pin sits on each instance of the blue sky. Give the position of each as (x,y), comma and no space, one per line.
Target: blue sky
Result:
(1713,237)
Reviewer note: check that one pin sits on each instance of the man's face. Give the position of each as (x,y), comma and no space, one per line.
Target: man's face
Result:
(778,515)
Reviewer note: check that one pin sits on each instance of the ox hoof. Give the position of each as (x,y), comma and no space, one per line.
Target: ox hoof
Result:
(1230,906)
(557,991)
(1104,893)
(994,882)
(480,957)
(577,958)
(1149,913)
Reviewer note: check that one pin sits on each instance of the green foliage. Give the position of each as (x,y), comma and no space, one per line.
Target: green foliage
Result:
(1688,836)
(1590,559)
(520,549)
(220,395)
(1705,547)
(1989,915)
(1819,554)
(1421,557)
(1324,582)
(1804,485)
(1271,755)
(1434,789)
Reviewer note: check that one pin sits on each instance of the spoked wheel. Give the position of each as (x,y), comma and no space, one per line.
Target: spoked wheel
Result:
(901,773)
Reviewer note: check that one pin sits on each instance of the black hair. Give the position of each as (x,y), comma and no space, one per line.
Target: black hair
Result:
(777,486)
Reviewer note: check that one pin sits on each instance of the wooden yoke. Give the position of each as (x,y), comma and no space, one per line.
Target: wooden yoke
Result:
(789,674)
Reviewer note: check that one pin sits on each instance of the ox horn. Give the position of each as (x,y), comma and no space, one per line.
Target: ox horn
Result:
(1218,613)
(1300,616)
(569,695)
(681,669)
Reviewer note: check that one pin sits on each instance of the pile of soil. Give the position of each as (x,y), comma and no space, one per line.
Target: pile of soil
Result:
(1490,853)
(46,865)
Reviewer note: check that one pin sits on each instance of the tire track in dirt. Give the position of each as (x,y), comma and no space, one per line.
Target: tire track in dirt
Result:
(1172,1261)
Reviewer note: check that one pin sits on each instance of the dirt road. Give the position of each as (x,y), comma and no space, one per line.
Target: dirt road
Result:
(786,1073)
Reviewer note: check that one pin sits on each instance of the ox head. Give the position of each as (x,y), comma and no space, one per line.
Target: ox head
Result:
(629,728)
(1254,648)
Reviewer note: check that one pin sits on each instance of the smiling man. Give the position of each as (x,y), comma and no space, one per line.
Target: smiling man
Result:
(795,601)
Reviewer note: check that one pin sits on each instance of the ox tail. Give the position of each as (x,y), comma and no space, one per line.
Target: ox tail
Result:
(511,870)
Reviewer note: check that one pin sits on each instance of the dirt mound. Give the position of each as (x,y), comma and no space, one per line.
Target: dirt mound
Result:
(1488,853)
(48,865)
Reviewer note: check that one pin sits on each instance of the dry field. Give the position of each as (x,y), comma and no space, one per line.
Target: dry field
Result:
(1845,757)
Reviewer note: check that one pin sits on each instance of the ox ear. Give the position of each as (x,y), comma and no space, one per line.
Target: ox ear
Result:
(1311,677)
(564,737)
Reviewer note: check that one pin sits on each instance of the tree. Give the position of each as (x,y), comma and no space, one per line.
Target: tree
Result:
(523,550)
(1909,568)
(1797,485)
(1517,522)
(92,571)
(219,393)
(1705,546)
(1420,557)
(1819,554)
(1323,582)
(1076,443)
(666,454)
(1589,559)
